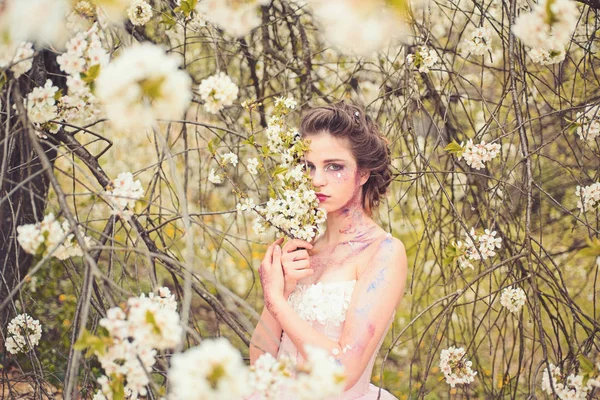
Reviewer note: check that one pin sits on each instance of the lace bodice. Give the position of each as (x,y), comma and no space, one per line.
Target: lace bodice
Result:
(324,306)
(326,303)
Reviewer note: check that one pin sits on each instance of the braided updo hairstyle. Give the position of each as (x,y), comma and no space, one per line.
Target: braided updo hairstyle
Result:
(369,147)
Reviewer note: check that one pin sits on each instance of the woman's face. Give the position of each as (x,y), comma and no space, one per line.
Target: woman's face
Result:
(334,172)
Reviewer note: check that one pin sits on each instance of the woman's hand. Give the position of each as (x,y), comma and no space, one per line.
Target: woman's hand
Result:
(271,274)
(296,264)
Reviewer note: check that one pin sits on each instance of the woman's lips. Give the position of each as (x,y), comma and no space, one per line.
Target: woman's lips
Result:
(322,197)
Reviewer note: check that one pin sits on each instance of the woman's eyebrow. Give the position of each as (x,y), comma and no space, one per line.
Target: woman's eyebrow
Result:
(327,161)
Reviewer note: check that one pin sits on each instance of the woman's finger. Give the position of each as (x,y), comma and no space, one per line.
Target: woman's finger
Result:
(269,253)
(294,244)
(277,257)
(299,255)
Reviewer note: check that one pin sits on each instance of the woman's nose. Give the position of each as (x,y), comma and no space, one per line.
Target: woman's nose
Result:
(318,177)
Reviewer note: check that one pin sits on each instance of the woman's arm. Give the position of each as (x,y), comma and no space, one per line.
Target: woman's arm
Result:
(375,297)
(266,337)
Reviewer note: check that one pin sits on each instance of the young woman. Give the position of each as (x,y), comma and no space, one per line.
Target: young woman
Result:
(340,292)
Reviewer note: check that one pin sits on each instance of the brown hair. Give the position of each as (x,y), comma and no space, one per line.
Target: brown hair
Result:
(369,147)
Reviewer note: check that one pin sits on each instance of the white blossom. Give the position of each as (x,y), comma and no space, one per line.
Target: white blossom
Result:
(217,91)
(147,324)
(230,158)
(423,59)
(588,123)
(41,103)
(124,193)
(546,57)
(245,204)
(237,18)
(457,370)
(321,376)
(214,368)
(39,21)
(484,244)
(152,323)
(252,165)
(50,234)
(139,12)
(269,375)
(143,85)
(476,155)
(214,178)
(589,196)
(357,27)
(549,25)
(513,299)
(479,42)
(24,333)
(571,388)
(20,55)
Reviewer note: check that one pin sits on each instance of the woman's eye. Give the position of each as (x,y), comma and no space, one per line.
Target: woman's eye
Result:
(334,167)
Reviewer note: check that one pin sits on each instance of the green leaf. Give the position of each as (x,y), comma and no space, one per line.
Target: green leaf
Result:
(58,94)
(249,141)
(187,6)
(585,364)
(168,20)
(93,72)
(117,387)
(88,340)
(454,147)
(593,249)
(152,321)
(211,146)
(279,170)
(398,5)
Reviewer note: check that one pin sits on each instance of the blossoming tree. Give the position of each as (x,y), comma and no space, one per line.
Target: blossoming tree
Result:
(148,154)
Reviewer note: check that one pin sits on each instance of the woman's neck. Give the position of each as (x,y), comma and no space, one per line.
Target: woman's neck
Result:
(349,223)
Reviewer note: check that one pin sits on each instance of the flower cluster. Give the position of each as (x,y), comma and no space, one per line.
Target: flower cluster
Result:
(24,333)
(486,245)
(38,21)
(476,155)
(235,17)
(143,85)
(84,57)
(423,59)
(480,41)
(357,27)
(319,377)
(589,196)
(549,25)
(269,375)
(570,388)
(456,369)
(588,123)
(546,57)
(134,335)
(19,55)
(293,204)
(43,237)
(217,91)
(139,12)
(214,177)
(513,299)
(214,368)
(41,106)
(124,193)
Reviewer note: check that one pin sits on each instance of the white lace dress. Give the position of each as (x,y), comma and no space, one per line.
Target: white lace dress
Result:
(324,306)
